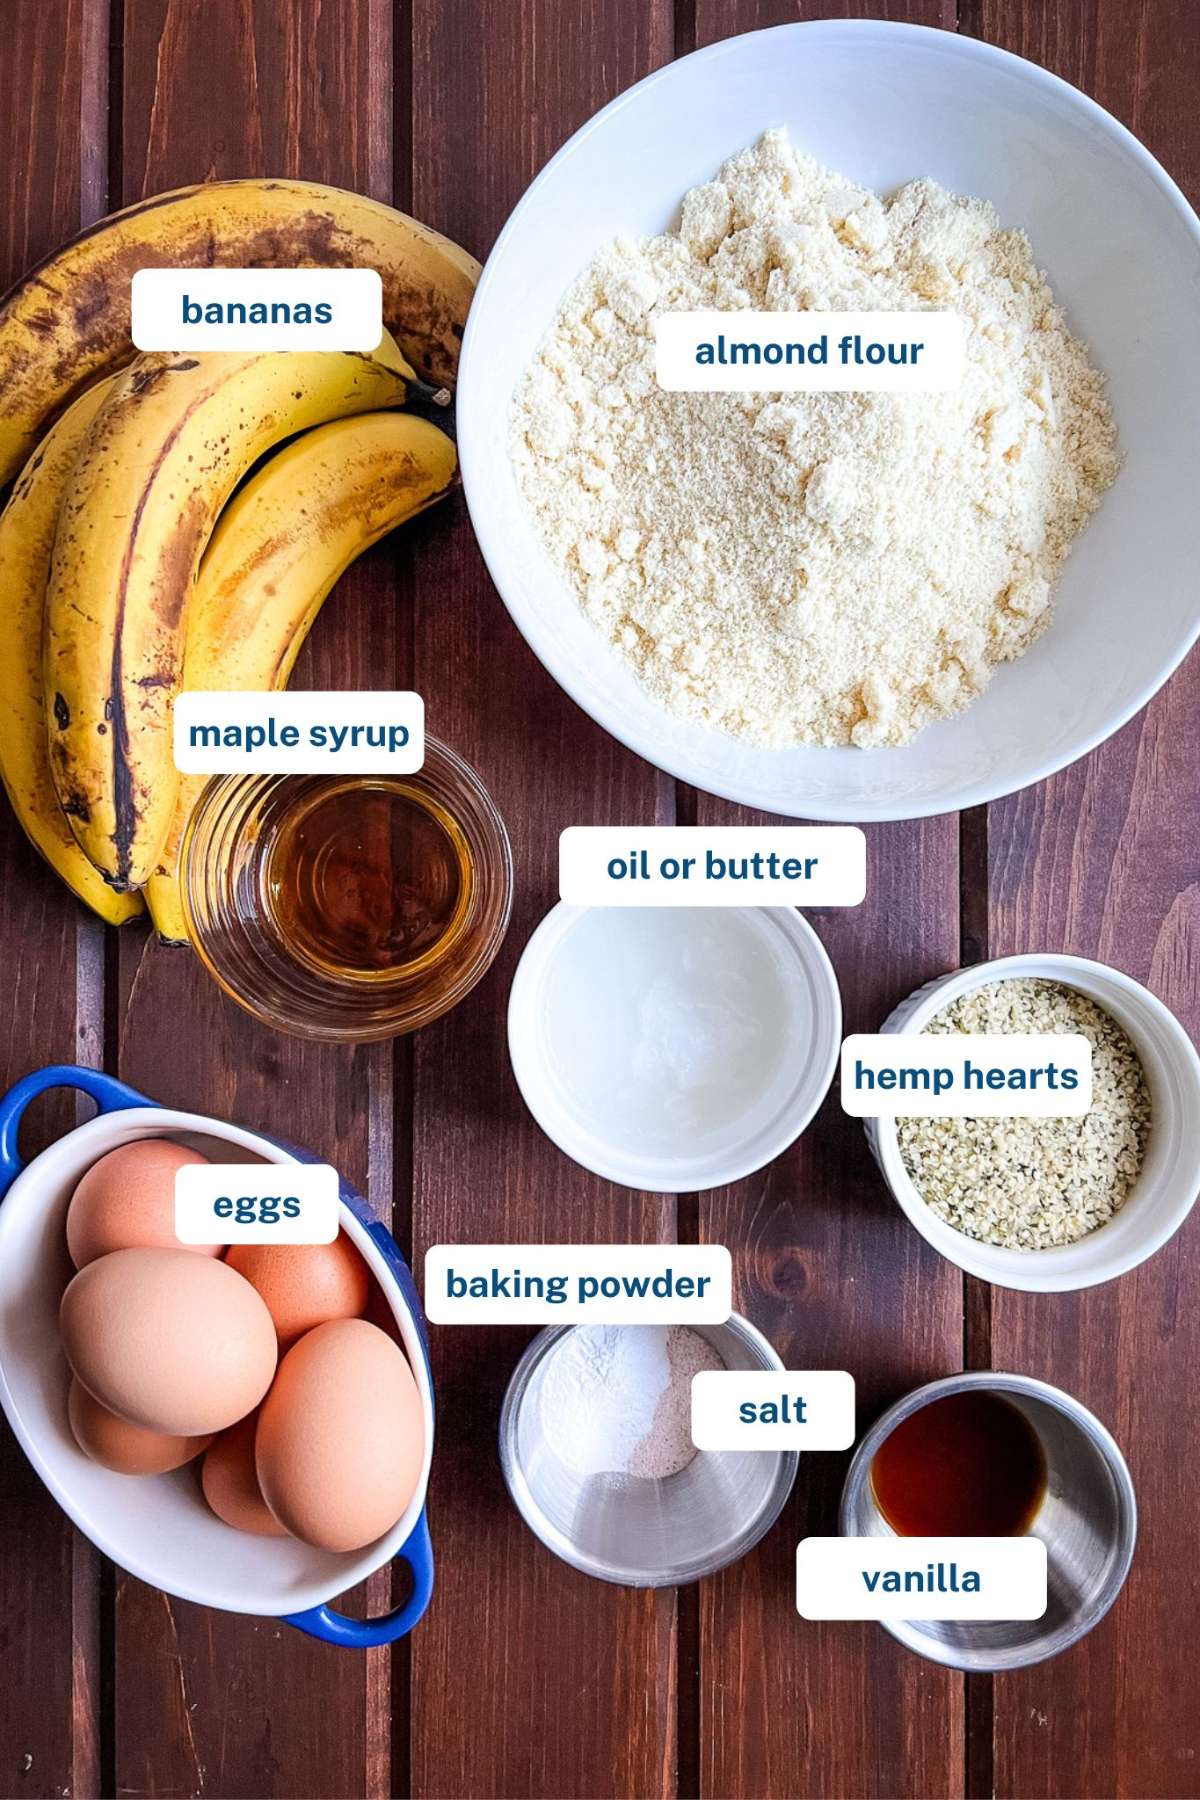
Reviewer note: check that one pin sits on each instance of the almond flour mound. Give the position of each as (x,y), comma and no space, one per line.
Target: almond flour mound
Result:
(814,568)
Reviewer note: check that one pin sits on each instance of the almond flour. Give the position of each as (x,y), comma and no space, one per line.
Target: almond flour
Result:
(814,568)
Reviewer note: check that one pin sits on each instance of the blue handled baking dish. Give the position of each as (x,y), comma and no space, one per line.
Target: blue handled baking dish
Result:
(158,1527)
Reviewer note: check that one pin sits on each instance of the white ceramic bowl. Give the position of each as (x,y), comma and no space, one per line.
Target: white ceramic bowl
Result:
(158,1527)
(884,103)
(1166,1188)
(699,1158)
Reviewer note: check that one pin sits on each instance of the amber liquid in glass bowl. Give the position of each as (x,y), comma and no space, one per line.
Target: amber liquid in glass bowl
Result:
(348,907)
(368,878)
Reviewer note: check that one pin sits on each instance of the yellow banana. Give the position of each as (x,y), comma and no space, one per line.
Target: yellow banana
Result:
(174,437)
(26,544)
(277,551)
(68,320)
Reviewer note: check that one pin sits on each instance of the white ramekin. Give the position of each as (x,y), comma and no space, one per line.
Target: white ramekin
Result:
(1169,1180)
(690,1169)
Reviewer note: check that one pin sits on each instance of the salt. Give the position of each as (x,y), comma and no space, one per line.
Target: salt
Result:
(616,1399)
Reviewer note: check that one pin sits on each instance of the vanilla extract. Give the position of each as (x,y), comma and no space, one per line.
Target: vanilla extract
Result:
(967,1465)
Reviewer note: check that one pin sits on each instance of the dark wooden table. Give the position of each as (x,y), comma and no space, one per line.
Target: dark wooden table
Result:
(526,1679)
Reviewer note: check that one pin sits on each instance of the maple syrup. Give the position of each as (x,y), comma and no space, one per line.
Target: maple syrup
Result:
(967,1465)
(348,907)
(368,877)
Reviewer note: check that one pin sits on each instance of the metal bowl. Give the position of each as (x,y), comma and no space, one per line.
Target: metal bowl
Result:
(1087,1521)
(630,1529)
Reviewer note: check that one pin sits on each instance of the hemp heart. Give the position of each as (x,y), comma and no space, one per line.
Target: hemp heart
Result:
(1028,1184)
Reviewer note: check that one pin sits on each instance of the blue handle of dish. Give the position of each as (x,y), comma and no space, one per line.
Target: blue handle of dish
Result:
(361,1634)
(109,1094)
(384,1241)
(417,1550)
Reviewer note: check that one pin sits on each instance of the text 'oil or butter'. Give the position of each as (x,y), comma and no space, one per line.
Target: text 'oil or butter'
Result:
(987,1075)
(921,1578)
(561,1284)
(720,865)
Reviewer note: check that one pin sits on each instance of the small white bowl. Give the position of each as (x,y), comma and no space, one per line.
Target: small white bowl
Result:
(1166,1188)
(699,1158)
(882,103)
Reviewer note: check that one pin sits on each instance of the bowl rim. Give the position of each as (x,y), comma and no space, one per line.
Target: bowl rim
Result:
(475,454)
(166,1121)
(1003,1382)
(1038,1271)
(396,1014)
(791,1122)
(521,1494)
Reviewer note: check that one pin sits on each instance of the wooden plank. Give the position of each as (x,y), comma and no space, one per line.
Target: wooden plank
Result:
(53,954)
(826,1265)
(1101,861)
(528,1679)
(1098,863)
(726,18)
(209,1702)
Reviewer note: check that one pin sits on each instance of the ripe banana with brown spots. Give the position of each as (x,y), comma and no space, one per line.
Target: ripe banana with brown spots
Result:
(279,547)
(173,439)
(67,322)
(26,545)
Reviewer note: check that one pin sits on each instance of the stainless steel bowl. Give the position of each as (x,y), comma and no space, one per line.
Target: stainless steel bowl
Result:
(1087,1521)
(628,1528)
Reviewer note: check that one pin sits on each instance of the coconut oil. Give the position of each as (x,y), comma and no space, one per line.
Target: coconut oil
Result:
(672,1024)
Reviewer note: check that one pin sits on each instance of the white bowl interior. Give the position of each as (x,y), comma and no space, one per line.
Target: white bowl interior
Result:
(569,947)
(157,1526)
(883,104)
(1165,1189)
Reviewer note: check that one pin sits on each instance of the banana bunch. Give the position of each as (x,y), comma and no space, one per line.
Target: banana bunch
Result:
(26,546)
(136,558)
(67,322)
(281,545)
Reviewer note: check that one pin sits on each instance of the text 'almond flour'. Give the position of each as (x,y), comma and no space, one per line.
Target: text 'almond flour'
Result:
(824,568)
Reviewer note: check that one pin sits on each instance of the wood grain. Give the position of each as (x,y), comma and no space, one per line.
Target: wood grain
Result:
(1096,863)
(826,1265)
(724,18)
(1102,861)
(208,1702)
(49,1576)
(527,1678)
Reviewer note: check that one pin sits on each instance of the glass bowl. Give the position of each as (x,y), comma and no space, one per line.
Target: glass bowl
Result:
(232,902)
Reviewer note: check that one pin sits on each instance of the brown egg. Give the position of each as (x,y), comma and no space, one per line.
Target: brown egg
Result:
(127,1449)
(231,1485)
(341,1437)
(167,1340)
(127,1201)
(305,1285)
